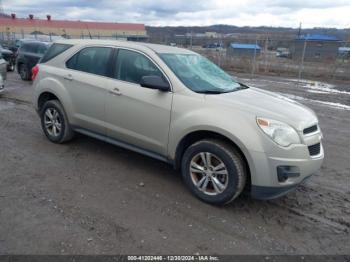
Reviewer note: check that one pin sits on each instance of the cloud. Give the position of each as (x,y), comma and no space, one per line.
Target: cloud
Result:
(321,13)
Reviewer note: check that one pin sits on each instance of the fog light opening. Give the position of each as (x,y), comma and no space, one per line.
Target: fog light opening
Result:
(286,172)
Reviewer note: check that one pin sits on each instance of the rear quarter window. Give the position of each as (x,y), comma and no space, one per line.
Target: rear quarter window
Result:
(54,50)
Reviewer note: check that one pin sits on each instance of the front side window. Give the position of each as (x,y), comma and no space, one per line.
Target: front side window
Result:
(132,66)
(93,60)
(199,74)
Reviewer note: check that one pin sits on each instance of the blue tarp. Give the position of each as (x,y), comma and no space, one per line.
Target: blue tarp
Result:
(317,37)
(245,46)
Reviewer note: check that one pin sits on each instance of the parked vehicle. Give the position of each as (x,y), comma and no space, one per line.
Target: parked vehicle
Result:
(16,45)
(176,106)
(9,58)
(283,52)
(3,73)
(29,54)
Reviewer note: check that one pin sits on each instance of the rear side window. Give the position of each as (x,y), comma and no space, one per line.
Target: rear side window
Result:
(94,60)
(54,50)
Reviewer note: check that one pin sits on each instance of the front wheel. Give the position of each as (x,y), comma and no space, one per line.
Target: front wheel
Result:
(214,171)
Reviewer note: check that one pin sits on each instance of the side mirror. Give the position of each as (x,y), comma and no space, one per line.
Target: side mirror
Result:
(155,82)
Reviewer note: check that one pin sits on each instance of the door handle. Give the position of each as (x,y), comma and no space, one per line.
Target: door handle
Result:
(115,91)
(68,77)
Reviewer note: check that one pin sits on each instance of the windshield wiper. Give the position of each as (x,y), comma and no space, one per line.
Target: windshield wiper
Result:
(210,92)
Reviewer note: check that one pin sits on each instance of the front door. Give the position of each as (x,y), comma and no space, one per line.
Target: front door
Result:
(136,115)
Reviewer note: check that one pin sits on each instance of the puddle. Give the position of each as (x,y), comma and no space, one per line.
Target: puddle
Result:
(317,91)
(325,103)
(6,105)
(319,87)
(310,86)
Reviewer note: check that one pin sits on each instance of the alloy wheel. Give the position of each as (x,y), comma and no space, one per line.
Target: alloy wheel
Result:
(209,173)
(52,121)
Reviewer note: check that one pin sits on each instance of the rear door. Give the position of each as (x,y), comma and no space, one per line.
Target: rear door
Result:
(86,82)
(136,115)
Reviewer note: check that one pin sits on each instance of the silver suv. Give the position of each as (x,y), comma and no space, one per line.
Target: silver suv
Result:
(176,106)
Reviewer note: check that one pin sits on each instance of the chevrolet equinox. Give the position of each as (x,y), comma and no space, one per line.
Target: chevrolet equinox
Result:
(176,106)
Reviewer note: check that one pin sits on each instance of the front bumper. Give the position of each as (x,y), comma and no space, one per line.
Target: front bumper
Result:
(266,182)
(266,193)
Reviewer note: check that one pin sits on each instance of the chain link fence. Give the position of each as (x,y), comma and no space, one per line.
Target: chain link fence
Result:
(285,56)
(10,38)
(298,59)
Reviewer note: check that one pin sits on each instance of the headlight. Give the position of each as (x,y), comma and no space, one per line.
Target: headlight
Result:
(283,134)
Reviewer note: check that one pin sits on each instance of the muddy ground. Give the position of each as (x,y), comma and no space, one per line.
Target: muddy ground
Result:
(89,197)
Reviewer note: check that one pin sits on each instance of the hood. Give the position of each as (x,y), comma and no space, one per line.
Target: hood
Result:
(267,104)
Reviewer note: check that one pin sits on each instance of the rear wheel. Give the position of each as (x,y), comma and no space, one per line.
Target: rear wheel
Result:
(214,171)
(54,122)
(23,72)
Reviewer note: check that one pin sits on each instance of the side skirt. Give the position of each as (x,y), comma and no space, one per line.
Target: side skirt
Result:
(123,145)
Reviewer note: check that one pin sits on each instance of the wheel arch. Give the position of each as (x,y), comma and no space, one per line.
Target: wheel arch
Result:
(47,89)
(44,97)
(198,135)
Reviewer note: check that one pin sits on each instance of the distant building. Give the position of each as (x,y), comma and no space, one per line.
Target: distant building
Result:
(75,29)
(243,50)
(204,35)
(212,34)
(318,48)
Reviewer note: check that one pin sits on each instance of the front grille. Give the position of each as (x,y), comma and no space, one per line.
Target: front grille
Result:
(310,129)
(314,150)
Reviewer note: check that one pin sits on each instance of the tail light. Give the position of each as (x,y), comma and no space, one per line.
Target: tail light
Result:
(35,71)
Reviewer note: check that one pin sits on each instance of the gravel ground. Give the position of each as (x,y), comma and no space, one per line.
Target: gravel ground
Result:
(89,197)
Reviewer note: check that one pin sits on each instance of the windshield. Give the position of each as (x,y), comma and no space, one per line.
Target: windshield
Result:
(199,74)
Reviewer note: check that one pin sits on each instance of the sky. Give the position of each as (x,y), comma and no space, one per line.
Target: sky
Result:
(283,13)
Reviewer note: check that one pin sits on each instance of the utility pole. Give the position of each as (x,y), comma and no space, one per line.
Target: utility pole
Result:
(299,31)
(301,67)
(254,59)
(191,39)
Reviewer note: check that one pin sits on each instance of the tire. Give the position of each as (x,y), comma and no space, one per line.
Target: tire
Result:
(231,184)
(11,67)
(59,119)
(23,72)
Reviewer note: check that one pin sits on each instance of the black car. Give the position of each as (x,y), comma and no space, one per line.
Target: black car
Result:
(9,57)
(28,56)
